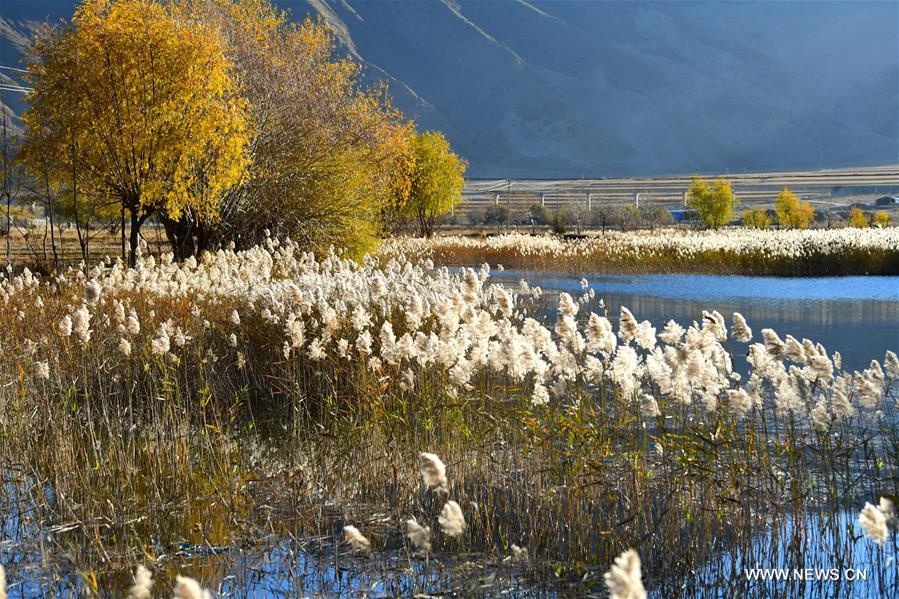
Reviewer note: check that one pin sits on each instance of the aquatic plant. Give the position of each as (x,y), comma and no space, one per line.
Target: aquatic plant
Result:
(356,539)
(452,522)
(734,251)
(625,579)
(433,471)
(189,402)
(143,584)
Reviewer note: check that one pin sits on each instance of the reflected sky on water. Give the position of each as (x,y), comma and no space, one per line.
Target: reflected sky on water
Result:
(857,316)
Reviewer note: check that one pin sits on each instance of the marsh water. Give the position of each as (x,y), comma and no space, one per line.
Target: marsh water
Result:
(856,316)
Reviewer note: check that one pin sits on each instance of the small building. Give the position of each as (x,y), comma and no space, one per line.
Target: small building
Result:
(887,201)
(684,216)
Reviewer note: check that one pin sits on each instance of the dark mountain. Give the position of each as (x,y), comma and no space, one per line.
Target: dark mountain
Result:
(564,89)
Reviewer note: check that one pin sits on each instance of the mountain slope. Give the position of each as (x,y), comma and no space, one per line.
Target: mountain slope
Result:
(565,89)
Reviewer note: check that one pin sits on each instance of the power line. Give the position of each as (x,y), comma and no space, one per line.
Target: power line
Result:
(13,69)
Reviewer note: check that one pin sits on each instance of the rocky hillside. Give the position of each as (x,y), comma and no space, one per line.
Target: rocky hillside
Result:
(571,89)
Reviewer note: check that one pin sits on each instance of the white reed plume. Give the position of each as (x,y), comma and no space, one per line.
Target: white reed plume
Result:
(356,539)
(740,329)
(672,333)
(519,554)
(143,584)
(794,350)
(820,415)
(180,338)
(773,343)
(624,369)
(649,408)
(161,344)
(452,522)
(419,536)
(81,322)
(740,401)
(42,370)
(714,323)
(625,580)
(433,472)
(2,582)
(540,397)
(65,326)
(188,588)
(567,306)
(315,351)
(92,291)
(646,335)
(235,317)
(125,347)
(133,323)
(874,522)
(627,324)
(891,364)
(600,337)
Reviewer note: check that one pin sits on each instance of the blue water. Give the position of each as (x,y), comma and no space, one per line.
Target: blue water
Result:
(857,316)
(714,288)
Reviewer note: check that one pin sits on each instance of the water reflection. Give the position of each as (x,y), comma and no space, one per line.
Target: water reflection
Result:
(857,316)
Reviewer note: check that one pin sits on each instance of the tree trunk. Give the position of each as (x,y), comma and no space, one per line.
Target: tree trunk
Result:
(123,232)
(180,234)
(134,236)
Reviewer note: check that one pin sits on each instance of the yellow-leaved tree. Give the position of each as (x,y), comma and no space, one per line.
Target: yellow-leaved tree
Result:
(881,219)
(858,219)
(715,203)
(437,181)
(793,212)
(756,219)
(329,155)
(137,104)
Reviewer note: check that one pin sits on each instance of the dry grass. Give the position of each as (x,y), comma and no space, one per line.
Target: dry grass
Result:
(216,457)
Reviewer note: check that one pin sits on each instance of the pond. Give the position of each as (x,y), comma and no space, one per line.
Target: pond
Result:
(856,316)
(281,546)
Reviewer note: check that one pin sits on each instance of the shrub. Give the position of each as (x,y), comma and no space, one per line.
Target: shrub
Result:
(881,219)
(858,219)
(496,214)
(561,219)
(713,203)
(540,214)
(792,212)
(757,219)
(437,181)
(629,217)
(601,217)
(656,217)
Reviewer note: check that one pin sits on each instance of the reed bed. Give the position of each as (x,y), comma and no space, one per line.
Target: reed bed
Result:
(266,421)
(819,252)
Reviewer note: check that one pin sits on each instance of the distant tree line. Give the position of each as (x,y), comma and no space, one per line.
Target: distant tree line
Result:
(713,203)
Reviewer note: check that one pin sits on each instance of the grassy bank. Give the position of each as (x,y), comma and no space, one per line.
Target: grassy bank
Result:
(217,418)
(820,252)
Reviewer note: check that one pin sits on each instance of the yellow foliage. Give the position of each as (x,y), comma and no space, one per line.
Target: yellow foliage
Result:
(858,219)
(881,219)
(328,156)
(715,203)
(757,219)
(138,104)
(793,212)
(437,181)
